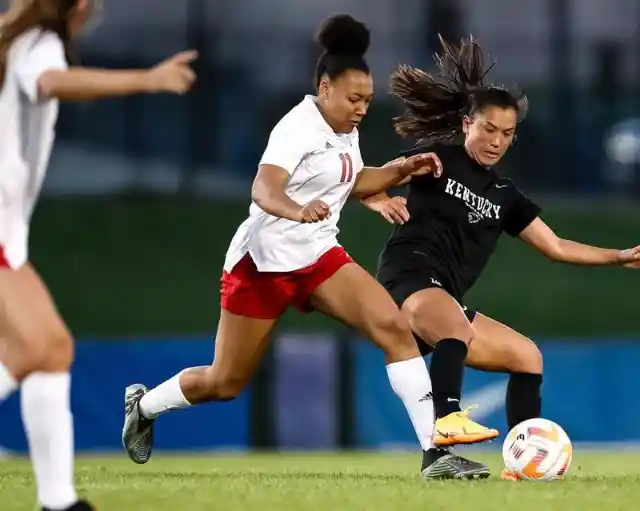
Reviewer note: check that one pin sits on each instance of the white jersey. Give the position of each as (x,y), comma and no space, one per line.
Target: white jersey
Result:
(323,165)
(27,125)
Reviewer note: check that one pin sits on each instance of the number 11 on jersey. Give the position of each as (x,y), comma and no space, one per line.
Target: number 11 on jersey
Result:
(347,168)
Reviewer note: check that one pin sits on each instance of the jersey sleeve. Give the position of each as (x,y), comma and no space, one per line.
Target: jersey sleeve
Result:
(521,212)
(45,52)
(289,142)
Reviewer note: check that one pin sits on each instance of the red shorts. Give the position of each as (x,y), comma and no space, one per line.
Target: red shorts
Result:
(3,259)
(266,295)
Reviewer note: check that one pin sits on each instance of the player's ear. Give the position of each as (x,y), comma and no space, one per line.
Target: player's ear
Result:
(466,124)
(323,89)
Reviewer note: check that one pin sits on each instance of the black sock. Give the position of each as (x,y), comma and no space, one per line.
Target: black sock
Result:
(447,368)
(523,398)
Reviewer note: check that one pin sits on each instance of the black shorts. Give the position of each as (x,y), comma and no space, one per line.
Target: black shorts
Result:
(401,283)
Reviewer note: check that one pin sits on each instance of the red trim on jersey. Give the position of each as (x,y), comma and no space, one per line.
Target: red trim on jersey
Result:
(4,263)
(266,295)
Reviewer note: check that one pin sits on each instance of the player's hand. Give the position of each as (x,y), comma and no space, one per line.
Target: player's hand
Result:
(174,75)
(395,162)
(421,164)
(315,211)
(393,210)
(630,258)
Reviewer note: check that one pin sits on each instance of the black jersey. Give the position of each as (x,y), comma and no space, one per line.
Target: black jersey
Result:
(455,222)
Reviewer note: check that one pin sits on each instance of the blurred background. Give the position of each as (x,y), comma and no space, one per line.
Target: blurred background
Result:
(144,194)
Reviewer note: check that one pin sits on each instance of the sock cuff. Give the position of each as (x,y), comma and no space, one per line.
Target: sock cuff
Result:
(417,362)
(453,344)
(47,383)
(6,377)
(532,377)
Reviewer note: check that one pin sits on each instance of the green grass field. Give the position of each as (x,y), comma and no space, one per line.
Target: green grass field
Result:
(329,482)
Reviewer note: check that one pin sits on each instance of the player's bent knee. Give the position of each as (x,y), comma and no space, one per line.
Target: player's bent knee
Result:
(392,333)
(534,361)
(59,353)
(44,353)
(528,360)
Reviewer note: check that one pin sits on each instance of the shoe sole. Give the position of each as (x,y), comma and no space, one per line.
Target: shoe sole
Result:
(476,474)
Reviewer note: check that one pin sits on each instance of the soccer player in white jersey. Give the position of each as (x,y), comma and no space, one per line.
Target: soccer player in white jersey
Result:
(36,348)
(286,253)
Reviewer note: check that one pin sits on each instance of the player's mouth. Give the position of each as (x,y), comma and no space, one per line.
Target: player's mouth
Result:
(492,155)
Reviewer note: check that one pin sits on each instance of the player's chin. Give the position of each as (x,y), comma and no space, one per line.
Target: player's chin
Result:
(490,157)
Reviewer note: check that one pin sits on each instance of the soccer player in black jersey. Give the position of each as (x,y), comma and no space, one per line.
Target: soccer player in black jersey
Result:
(449,228)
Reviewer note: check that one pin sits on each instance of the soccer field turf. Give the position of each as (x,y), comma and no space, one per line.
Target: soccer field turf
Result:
(329,482)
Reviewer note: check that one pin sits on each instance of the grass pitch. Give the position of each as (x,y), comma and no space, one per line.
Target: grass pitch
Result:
(597,480)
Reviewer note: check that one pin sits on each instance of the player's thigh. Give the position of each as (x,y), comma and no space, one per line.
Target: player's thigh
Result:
(496,347)
(240,344)
(435,315)
(31,329)
(354,297)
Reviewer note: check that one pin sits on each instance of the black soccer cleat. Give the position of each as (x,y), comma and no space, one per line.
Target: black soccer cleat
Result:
(443,464)
(81,505)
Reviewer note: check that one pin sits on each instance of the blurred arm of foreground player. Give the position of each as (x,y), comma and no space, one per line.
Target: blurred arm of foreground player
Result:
(174,75)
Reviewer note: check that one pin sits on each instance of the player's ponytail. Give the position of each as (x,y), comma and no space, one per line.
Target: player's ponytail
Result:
(52,15)
(436,103)
(345,43)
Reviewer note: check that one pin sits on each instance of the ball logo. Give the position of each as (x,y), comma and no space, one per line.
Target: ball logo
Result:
(551,435)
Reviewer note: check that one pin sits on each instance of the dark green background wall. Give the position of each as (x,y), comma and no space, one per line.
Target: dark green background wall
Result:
(152,267)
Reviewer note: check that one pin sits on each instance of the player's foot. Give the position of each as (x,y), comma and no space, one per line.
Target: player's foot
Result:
(443,464)
(458,428)
(81,505)
(137,433)
(507,475)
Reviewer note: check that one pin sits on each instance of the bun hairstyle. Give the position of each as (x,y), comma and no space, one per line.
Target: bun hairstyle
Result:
(345,41)
(435,103)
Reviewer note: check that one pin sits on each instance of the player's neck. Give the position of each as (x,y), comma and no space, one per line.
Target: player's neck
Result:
(332,124)
(471,154)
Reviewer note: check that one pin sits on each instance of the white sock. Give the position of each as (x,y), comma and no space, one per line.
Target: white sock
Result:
(8,383)
(47,419)
(411,382)
(166,396)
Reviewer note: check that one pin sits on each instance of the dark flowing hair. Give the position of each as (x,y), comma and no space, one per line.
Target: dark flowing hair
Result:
(435,104)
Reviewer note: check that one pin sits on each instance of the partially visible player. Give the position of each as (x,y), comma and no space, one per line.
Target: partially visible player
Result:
(286,253)
(448,229)
(36,348)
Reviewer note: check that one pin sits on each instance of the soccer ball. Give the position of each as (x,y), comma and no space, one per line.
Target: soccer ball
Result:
(537,449)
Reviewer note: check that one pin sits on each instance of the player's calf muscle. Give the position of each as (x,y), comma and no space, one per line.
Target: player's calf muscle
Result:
(206,383)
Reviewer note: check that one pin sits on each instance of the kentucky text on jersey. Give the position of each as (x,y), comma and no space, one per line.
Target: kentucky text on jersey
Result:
(479,205)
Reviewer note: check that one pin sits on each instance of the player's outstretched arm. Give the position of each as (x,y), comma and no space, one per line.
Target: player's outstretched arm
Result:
(371,181)
(540,236)
(174,75)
